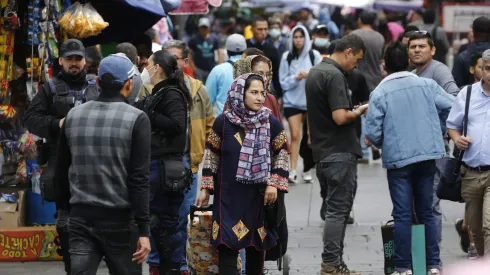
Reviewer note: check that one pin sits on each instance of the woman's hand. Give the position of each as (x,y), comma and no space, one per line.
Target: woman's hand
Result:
(270,195)
(203,199)
(300,75)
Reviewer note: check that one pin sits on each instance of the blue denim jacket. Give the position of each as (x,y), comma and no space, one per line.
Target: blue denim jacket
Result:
(406,118)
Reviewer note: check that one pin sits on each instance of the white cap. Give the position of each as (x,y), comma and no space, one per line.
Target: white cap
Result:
(236,43)
(204,22)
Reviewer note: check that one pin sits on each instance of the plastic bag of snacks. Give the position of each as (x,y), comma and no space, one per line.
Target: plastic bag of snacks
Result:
(27,145)
(7,112)
(21,174)
(82,21)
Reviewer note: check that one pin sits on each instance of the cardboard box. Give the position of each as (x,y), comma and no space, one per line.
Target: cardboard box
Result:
(22,244)
(13,214)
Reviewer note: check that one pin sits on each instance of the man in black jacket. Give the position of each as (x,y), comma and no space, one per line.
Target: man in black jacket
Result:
(47,112)
(260,29)
(103,168)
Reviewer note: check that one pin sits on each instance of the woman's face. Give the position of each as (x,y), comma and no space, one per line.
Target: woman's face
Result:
(263,69)
(255,96)
(154,71)
(298,40)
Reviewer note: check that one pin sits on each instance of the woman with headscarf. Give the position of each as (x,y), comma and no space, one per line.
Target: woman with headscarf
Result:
(246,165)
(258,64)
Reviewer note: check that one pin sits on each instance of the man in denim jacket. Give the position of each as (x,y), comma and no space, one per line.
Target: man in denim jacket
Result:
(404,119)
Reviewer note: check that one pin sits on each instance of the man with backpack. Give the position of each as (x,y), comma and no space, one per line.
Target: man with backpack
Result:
(220,78)
(45,116)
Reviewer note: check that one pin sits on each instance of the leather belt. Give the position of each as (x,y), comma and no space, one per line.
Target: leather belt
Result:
(479,168)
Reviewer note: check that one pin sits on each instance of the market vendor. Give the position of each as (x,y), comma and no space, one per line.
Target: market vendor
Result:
(46,113)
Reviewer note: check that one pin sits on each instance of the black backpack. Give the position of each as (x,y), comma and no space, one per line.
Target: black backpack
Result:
(312,58)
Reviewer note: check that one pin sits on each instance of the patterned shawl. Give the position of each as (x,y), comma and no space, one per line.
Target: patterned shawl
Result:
(255,158)
(244,66)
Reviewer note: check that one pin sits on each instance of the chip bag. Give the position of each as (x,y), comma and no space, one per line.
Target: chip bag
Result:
(82,21)
(7,112)
(27,145)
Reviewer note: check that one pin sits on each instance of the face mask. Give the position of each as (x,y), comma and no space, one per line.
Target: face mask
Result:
(322,42)
(145,77)
(275,33)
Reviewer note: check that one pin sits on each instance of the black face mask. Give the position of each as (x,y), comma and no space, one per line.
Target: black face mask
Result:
(73,78)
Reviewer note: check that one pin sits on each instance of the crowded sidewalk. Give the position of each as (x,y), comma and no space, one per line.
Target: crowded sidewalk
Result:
(363,244)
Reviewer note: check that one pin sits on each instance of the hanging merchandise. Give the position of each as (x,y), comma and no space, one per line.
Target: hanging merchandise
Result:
(7,113)
(81,21)
(33,16)
(27,145)
(9,23)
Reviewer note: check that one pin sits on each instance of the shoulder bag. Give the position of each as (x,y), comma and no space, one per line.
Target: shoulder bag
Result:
(449,168)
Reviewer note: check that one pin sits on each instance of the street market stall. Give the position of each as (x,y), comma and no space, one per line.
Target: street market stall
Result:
(30,35)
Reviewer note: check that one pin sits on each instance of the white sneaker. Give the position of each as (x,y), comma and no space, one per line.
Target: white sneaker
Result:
(293,177)
(307,177)
(408,272)
(433,271)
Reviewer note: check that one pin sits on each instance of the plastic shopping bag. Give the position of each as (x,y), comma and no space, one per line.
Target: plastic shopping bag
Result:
(82,21)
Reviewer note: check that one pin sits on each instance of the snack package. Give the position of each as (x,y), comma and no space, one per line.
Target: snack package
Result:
(27,145)
(21,174)
(82,21)
(7,112)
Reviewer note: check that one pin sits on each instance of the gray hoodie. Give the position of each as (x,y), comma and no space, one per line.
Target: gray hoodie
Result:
(294,90)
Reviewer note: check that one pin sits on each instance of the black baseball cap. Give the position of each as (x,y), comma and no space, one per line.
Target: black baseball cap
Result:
(72,47)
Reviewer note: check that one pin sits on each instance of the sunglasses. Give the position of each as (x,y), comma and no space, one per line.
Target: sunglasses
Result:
(426,33)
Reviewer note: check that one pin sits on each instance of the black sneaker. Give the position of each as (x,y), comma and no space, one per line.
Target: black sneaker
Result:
(464,239)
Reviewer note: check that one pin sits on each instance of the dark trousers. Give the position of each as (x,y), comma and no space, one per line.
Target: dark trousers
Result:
(337,174)
(90,240)
(228,261)
(413,185)
(168,236)
(63,236)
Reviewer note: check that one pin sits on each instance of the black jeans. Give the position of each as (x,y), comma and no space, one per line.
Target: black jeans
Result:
(337,174)
(62,229)
(90,240)
(228,261)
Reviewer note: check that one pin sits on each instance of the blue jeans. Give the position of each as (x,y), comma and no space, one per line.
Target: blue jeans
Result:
(189,198)
(413,184)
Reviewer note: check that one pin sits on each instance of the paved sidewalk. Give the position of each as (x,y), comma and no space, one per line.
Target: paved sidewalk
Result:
(363,245)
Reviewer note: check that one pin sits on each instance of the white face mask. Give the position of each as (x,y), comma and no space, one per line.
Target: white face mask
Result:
(322,42)
(275,33)
(145,77)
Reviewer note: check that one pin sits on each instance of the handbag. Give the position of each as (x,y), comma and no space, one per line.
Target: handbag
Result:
(202,258)
(388,237)
(449,168)
(418,247)
(174,176)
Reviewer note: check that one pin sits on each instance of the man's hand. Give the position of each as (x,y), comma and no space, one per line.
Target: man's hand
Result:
(299,76)
(462,142)
(367,142)
(361,109)
(143,250)
(62,121)
(270,195)
(203,199)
